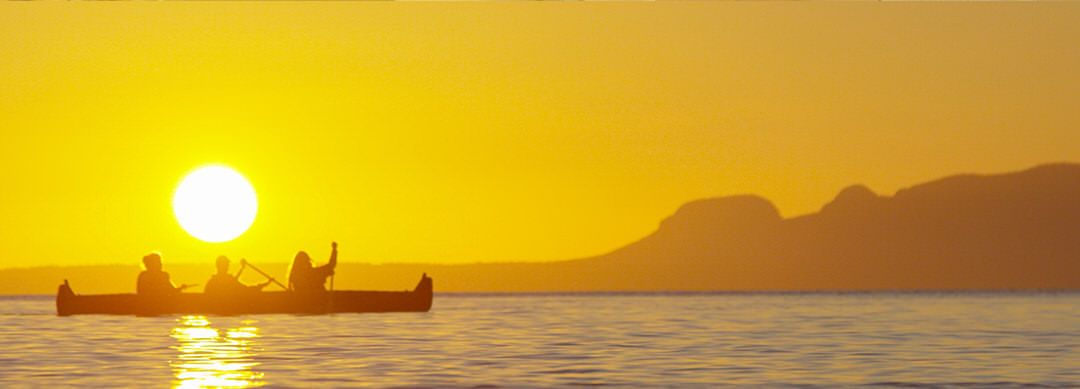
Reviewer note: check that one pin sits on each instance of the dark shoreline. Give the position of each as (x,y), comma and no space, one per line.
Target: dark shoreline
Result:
(926,292)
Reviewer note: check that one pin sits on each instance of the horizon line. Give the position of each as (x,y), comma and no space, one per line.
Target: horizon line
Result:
(715,292)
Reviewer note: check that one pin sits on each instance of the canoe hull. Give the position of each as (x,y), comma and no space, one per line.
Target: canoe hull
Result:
(416,300)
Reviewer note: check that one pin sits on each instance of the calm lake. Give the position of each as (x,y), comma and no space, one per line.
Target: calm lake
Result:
(879,339)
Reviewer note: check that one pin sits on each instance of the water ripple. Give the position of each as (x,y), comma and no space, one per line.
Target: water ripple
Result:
(789,340)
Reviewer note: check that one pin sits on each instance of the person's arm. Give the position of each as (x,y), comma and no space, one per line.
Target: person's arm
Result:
(172,288)
(140,284)
(328,269)
(333,255)
(176,289)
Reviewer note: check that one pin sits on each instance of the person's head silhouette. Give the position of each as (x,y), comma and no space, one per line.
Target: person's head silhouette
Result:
(152,262)
(222,264)
(302,259)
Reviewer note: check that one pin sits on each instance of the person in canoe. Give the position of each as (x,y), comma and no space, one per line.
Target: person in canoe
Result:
(155,282)
(224,283)
(303,277)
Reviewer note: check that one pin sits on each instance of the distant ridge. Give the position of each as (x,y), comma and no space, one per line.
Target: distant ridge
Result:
(1013,230)
(1018,230)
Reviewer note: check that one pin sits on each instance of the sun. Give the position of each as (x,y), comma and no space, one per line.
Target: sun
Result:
(215,204)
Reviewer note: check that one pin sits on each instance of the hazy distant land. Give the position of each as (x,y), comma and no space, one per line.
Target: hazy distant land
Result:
(1004,231)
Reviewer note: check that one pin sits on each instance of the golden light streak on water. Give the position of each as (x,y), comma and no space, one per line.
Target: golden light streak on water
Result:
(215,357)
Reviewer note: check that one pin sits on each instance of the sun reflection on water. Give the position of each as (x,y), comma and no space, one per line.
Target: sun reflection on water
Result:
(215,357)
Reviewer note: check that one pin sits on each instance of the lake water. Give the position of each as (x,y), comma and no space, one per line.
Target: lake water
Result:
(925,339)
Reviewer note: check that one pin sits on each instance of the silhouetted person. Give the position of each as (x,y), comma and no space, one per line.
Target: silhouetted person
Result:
(305,278)
(224,283)
(153,281)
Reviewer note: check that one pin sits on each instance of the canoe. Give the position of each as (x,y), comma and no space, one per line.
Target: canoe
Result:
(338,301)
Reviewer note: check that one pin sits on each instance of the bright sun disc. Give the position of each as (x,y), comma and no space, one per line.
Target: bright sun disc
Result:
(215,204)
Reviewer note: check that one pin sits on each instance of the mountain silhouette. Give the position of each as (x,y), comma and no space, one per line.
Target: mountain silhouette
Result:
(1017,230)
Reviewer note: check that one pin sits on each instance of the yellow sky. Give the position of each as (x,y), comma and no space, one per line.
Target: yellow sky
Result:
(501,132)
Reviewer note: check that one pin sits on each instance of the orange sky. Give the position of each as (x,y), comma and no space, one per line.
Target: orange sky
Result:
(452,133)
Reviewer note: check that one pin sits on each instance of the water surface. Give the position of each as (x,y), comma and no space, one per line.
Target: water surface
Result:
(881,339)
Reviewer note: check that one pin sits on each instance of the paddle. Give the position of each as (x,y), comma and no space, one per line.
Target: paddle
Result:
(244,262)
(330,301)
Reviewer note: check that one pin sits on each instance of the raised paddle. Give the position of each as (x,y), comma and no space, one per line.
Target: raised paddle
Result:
(330,301)
(245,263)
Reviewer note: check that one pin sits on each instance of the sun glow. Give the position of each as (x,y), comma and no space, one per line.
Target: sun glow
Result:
(215,204)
